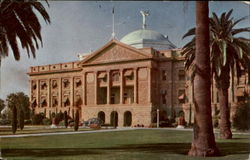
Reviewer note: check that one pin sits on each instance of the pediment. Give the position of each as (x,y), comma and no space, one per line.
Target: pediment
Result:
(114,51)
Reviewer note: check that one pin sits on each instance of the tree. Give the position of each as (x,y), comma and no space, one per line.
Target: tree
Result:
(18,20)
(65,119)
(203,141)
(21,101)
(14,119)
(228,54)
(2,105)
(21,120)
(76,120)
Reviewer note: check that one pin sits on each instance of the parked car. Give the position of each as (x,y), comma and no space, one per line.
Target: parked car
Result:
(93,122)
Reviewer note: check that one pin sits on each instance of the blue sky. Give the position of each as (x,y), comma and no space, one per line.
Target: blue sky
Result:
(81,26)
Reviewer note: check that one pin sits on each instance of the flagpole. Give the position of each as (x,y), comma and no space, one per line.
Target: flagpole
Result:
(113,21)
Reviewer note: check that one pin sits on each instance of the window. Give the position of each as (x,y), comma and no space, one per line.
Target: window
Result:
(181,75)
(66,83)
(241,98)
(43,85)
(164,77)
(129,75)
(181,96)
(115,76)
(34,86)
(54,101)
(163,96)
(78,83)
(54,84)
(164,100)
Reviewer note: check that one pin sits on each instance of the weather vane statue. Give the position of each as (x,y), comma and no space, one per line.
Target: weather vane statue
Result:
(144,15)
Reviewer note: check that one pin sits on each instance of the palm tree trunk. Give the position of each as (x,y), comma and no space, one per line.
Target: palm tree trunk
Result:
(225,125)
(223,84)
(203,141)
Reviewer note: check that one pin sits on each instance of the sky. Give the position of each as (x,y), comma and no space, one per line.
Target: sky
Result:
(84,26)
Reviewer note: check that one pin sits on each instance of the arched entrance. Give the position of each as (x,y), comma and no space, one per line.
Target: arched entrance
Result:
(114,118)
(101,115)
(127,119)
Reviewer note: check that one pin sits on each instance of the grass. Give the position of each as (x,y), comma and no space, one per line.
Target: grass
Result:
(37,129)
(128,145)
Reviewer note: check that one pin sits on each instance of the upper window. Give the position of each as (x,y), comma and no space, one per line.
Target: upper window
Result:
(115,76)
(181,75)
(164,76)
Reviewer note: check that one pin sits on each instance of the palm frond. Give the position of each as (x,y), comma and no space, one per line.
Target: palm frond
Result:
(191,32)
(240,30)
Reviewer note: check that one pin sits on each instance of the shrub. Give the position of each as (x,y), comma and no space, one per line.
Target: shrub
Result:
(46,121)
(5,122)
(59,117)
(62,123)
(241,120)
(37,119)
(27,122)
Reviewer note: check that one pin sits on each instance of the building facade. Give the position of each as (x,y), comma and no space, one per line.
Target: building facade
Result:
(123,82)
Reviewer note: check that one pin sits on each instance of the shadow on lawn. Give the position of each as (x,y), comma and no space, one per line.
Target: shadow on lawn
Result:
(47,152)
(168,148)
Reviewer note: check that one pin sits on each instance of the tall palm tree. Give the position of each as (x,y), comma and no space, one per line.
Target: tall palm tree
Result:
(18,20)
(228,54)
(203,141)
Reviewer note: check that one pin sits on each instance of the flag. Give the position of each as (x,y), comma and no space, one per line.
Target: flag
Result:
(113,10)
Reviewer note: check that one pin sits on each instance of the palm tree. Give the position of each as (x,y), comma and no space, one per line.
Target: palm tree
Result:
(203,141)
(228,54)
(18,20)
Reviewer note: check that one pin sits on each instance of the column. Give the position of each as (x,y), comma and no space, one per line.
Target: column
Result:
(60,92)
(48,92)
(108,87)
(31,94)
(149,84)
(96,87)
(121,86)
(38,93)
(84,89)
(135,85)
(72,92)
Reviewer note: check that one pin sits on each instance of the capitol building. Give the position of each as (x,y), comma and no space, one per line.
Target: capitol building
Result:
(123,82)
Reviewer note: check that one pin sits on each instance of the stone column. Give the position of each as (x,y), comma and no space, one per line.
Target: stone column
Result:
(49,95)
(96,87)
(38,93)
(121,86)
(60,92)
(84,89)
(108,87)
(72,92)
(120,119)
(31,94)
(135,85)
(149,85)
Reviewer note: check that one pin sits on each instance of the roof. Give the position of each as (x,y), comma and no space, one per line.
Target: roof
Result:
(147,38)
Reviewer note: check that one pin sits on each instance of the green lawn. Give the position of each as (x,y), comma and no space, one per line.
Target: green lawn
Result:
(127,145)
(37,129)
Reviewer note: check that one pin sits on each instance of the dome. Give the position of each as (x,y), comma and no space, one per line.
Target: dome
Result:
(147,38)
